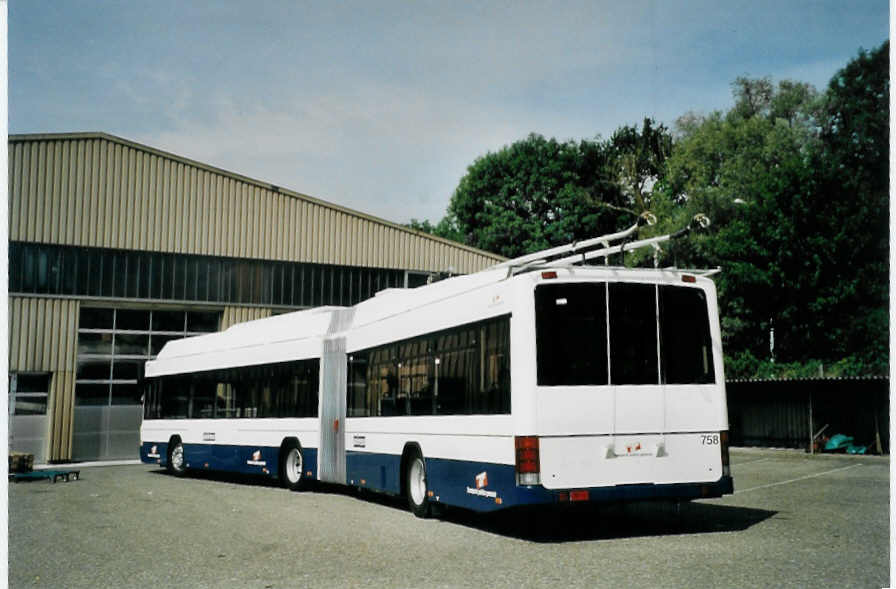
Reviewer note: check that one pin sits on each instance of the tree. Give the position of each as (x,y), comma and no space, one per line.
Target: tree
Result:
(748,173)
(446,228)
(795,184)
(536,193)
(638,159)
(853,180)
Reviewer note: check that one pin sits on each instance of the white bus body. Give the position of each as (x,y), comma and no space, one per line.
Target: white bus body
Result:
(567,384)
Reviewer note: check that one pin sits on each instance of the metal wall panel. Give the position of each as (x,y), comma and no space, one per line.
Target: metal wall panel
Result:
(98,190)
(107,433)
(234,315)
(43,338)
(779,413)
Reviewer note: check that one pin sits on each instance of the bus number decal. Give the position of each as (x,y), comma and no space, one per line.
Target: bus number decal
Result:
(709,439)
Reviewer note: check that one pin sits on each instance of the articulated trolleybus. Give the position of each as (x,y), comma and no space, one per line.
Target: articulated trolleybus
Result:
(540,380)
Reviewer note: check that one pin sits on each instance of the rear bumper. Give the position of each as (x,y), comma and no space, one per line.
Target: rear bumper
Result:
(622,493)
(682,491)
(454,483)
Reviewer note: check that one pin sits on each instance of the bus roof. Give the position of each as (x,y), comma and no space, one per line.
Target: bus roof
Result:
(298,335)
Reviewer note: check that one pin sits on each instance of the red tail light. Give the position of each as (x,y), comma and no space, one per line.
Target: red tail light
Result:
(582,495)
(527,469)
(548,275)
(726,464)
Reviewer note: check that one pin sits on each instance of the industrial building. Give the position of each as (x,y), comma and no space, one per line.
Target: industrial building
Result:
(116,248)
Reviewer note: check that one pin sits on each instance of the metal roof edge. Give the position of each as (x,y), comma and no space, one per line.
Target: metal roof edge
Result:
(21,137)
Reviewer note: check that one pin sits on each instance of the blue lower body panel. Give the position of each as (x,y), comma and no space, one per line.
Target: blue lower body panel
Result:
(240,459)
(381,472)
(479,486)
(484,486)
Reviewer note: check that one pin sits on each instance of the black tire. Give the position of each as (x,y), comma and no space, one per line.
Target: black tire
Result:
(291,468)
(176,463)
(416,485)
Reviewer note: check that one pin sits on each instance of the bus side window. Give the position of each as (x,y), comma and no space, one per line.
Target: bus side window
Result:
(225,403)
(356,403)
(203,398)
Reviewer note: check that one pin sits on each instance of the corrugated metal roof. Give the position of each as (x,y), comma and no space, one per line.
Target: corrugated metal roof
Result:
(19,138)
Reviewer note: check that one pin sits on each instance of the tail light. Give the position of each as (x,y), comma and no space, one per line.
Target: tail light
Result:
(581,495)
(726,464)
(527,469)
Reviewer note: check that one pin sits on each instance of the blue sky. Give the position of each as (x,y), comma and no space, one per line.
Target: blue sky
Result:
(381,106)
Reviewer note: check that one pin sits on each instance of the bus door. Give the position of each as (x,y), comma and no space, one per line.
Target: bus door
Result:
(331,454)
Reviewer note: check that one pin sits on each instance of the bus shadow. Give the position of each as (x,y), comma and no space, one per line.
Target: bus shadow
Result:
(572,523)
(224,477)
(589,522)
(548,524)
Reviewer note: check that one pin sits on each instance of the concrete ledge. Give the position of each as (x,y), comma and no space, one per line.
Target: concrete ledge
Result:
(71,465)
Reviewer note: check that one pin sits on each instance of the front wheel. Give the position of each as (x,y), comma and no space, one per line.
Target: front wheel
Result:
(291,466)
(176,464)
(415,477)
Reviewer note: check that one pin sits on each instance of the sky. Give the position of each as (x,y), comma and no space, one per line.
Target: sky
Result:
(380,106)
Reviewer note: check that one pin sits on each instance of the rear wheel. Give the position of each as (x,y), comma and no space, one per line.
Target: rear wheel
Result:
(291,466)
(176,464)
(415,483)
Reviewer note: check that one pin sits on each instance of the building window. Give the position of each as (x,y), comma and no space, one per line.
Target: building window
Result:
(40,268)
(113,345)
(29,393)
(415,279)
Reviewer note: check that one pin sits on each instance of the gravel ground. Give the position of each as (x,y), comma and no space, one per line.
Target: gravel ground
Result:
(794,521)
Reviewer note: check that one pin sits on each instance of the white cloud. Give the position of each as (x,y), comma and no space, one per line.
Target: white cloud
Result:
(381,106)
(386,150)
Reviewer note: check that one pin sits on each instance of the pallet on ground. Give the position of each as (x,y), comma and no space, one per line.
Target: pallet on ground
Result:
(51,475)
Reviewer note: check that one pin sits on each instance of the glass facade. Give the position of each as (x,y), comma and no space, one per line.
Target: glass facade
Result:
(37,268)
(113,345)
(29,393)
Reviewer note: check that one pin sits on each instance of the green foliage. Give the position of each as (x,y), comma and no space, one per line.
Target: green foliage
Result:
(853,184)
(536,193)
(638,158)
(745,365)
(795,183)
(446,228)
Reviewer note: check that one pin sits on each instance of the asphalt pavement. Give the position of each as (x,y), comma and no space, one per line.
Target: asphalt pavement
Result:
(794,521)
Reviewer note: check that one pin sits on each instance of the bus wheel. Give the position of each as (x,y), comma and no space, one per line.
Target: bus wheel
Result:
(415,483)
(291,466)
(176,464)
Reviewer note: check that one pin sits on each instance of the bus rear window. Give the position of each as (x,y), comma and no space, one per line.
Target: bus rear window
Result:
(633,353)
(571,334)
(686,341)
